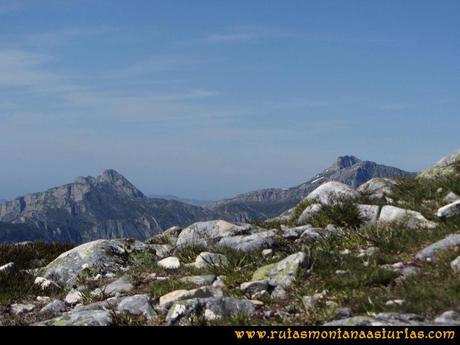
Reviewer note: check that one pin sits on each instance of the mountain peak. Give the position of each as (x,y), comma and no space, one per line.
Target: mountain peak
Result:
(343,162)
(119,182)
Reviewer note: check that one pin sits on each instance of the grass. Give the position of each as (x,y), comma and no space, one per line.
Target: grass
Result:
(342,213)
(19,285)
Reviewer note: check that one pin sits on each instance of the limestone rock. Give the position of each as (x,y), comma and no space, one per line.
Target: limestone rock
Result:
(331,192)
(411,219)
(207,259)
(450,210)
(80,318)
(429,253)
(120,286)
(137,305)
(283,272)
(169,263)
(54,308)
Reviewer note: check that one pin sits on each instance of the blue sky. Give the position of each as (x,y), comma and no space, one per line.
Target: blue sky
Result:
(207,99)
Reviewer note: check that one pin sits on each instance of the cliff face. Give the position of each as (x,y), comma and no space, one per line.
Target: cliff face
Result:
(106,206)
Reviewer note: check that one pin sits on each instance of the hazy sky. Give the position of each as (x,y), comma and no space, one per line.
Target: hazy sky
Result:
(206,99)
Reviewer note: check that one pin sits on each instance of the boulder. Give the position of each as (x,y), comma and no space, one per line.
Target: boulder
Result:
(429,253)
(80,318)
(247,243)
(54,308)
(120,286)
(451,197)
(377,188)
(411,219)
(88,260)
(198,280)
(283,272)
(19,309)
(179,295)
(169,263)
(137,305)
(209,232)
(254,287)
(183,312)
(73,297)
(450,210)
(331,192)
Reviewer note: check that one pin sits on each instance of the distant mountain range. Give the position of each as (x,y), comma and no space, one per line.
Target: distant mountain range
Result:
(194,202)
(265,203)
(109,206)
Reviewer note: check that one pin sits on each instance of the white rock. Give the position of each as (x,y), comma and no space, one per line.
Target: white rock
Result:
(207,259)
(267,252)
(179,295)
(448,211)
(451,197)
(455,264)
(19,309)
(428,253)
(73,297)
(369,213)
(411,219)
(8,268)
(308,213)
(330,192)
(169,263)
(46,284)
(394,302)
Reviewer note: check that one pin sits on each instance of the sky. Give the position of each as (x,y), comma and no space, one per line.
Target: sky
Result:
(207,99)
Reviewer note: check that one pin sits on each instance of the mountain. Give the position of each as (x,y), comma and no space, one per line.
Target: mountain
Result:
(106,206)
(194,202)
(266,203)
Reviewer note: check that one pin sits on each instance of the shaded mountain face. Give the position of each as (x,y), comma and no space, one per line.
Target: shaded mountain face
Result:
(106,206)
(270,202)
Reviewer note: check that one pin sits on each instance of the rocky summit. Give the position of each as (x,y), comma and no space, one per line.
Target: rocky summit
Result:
(386,253)
(106,206)
(266,203)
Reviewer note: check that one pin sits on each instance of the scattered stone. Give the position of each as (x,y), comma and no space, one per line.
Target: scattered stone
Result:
(54,308)
(382,319)
(80,318)
(182,312)
(179,295)
(368,252)
(137,305)
(169,263)
(341,272)
(331,192)
(254,287)
(451,197)
(450,317)
(283,272)
(312,234)
(394,302)
(428,253)
(310,302)
(209,232)
(8,268)
(73,297)
(19,309)
(46,284)
(119,286)
(411,219)
(207,259)
(455,264)
(219,284)
(162,250)
(198,280)
(43,299)
(342,313)
(279,293)
(248,243)
(345,252)
(267,252)
(449,211)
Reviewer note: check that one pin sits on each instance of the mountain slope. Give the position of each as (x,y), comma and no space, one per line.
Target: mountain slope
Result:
(270,202)
(106,206)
